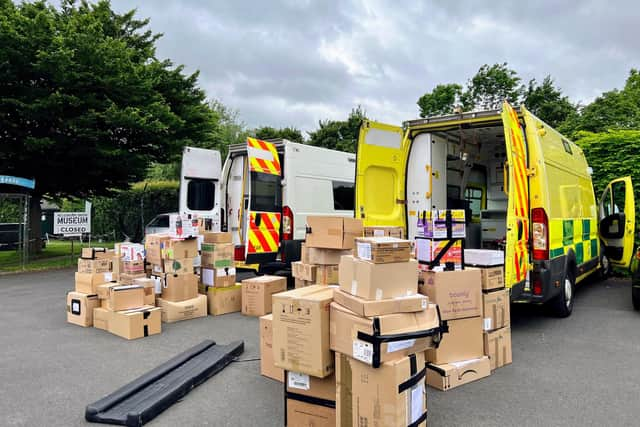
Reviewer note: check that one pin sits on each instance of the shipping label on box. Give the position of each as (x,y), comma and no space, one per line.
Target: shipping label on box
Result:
(383,249)
(451,375)
(303,271)
(496,310)
(457,293)
(307,385)
(217,255)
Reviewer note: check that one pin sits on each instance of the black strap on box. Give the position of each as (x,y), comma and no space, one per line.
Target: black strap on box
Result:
(419,421)
(437,369)
(310,399)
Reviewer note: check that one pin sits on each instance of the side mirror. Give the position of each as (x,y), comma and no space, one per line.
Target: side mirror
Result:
(612,226)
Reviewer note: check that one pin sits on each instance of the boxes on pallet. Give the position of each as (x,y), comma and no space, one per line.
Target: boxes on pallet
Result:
(370,308)
(382,250)
(327,275)
(149,289)
(80,308)
(377,231)
(428,250)
(457,293)
(310,401)
(218,277)
(180,249)
(87,283)
(183,310)
(463,342)
(496,310)
(497,345)
(223,300)
(378,281)
(257,292)
(267,365)
(492,278)
(135,323)
(322,256)
(217,255)
(301,330)
(153,245)
(179,287)
(451,375)
(101,265)
(303,271)
(332,232)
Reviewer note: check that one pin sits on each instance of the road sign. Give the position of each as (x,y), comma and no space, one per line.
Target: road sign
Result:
(71,223)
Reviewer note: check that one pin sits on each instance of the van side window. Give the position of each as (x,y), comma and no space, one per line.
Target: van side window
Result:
(200,194)
(343,196)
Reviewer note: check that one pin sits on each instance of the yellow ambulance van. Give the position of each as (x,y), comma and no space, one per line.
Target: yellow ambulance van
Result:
(526,189)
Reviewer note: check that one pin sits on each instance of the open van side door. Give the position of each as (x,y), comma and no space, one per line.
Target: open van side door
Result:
(617,221)
(516,262)
(380,174)
(265,203)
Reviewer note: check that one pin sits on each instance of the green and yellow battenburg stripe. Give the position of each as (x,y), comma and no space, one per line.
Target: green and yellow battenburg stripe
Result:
(578,234)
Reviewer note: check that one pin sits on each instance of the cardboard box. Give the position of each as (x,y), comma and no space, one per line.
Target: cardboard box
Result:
(180,287)
(183,310)
(382,250)
(303,414)
(344,395)
(116,267)
(102,265)
(308,385)
(497,345)
(223,300)
(484,257)
(124,297)
(183,225)
(457,293)
(178,266)
(103,290)
(322,256)
(355,335)
(299,283)
(130,251)
(136,323)
(180,249)
(369,308)
(80,308)
(304,254)
(87,283)
(257,292)
(153,245)
(128,278)
(463,342)
(378,281)
(303,271)
(267,366)
(149,289)
(101,318)
(427,251)
(332,232)
(218,277)
(496,310)
(328,275)
(217,255)
(492,278)
(92,253)
(451,375)
(301,330)
(133,267)
(378,231)
(217,237)
(442,224)
(392,395)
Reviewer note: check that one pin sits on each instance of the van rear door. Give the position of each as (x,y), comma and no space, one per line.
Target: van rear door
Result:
(380,174)
(617,221)
(199,183)
(516,262)
(265,203)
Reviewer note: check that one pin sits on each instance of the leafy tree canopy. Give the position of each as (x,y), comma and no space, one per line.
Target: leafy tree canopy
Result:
(547,102)
(290,133)
(339,135)
(490,86)
(442,100)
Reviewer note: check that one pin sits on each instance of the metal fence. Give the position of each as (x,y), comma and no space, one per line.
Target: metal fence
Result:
(14,230)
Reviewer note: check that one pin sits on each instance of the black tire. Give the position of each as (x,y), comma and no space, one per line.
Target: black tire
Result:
(562,305)
(635,297)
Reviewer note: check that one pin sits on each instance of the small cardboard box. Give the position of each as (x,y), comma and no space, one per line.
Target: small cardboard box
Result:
(101,265)
(355,335)
(463,342)
(382,250)
(303,271)
(218,277)
(124,297)
(178,266)
(136,323)
(321,256)
(101,318)
(393,395)
(496,310)
(328,275)
(223,300)
(183,225)
(133,267)
(180,249)
(344,395)
(179,287)
(128,278)
(492,278)
(87,283)
(153,245)
(217,255)
(378,231)
(149,289)
(332,232)
(130,251)
(451,375)
(267,366)
(497,345)
(217,237)
(368,308)
(299,283)
(305,414)
(427,250)
(80,308)
(307,385)
(457,293)
(257,292)
(183,310)
(301,330)
(378,281)
(92,253)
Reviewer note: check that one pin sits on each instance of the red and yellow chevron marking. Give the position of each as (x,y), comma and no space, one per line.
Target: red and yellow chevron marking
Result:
(270,163)
(264,238)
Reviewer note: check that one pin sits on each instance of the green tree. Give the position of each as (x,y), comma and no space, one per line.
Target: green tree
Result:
(290,133)
(85,105)
(490,87)
(337,134)
(547,102)
(442,100)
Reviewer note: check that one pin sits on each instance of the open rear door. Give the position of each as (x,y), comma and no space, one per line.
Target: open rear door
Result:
(617,221)
(516,263)
(265,203)
(380,175)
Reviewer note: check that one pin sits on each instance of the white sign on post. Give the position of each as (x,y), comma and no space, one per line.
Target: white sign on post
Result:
(71,223)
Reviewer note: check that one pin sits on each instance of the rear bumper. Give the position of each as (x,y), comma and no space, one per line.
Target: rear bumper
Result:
(550,274)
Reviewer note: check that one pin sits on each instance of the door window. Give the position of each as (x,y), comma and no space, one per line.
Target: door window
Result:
(618,196)
(266,192)
(343,196)
(474,196)
(606,208)
(200,194)
(160,221)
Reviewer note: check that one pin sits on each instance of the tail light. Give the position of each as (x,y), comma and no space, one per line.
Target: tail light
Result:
(540,228)
(238,253)
(287,223)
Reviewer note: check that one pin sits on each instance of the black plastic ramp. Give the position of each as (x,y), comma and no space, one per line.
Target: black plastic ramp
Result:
(144,398)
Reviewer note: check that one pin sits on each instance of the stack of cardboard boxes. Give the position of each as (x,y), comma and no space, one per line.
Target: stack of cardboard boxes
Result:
(496,317)
(218,274)
(439,240)
(94,269)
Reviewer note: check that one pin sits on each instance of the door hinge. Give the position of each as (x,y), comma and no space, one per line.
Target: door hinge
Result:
(531,172)
(401,202)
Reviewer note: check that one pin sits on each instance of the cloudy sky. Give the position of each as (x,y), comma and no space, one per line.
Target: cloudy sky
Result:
(294,62)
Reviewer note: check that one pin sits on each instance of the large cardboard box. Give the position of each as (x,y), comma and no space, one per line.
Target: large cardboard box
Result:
(451,375)
(304,414)
(180,249)
(149,289)
(382,250)
(497,345)
(183,310)
(463,342)
(365,338)
(257,292)
(178,266)
(369,308)
(428,250)
(328,275)
(136,323)
(301,330)
(217,255)
(101,318)
(153,245)
(378,281)
(223,300)
(217,237)
(303,271)
(80,308)
(332,232)
(492,278)
(128,278)
(344,395)
(87,283)
(392,395)
(179,287)
(496,310)
(308,385)
(267,365)
(218,277)
(124,297)
(457,293)
(378,231)
(322,256)
(101,265)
